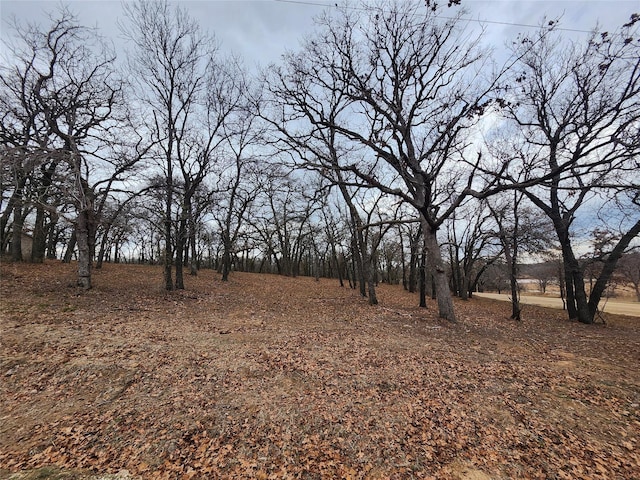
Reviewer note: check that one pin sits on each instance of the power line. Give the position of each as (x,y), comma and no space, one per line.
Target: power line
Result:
(495,22)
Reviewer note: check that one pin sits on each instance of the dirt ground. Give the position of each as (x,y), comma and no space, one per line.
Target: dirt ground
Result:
(273,377)
(611,305)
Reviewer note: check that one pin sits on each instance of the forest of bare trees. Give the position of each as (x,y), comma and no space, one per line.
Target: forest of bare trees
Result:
(390,146)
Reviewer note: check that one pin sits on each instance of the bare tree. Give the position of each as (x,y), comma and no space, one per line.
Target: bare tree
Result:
(241,177)
(24,136)
(576,105)
(312,147)
(519,231)
(409,86)
(282,218)
(190,93)
(68,89)
(167,64)
(470,241)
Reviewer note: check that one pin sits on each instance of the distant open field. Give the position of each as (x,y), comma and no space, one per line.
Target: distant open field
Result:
(274,377)
(611,305)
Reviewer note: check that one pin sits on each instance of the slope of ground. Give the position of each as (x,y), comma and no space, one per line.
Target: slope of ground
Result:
(271,377)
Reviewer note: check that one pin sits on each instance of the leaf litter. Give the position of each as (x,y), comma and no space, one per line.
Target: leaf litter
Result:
(274,377)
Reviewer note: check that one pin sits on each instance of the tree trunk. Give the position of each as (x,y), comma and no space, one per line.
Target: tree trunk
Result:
(423,280)
(357,264)
(4,224)
(71,246)
(577,304)
(454,263)
(433,286)
(464,285)
(226,260)
(16,235)
(167,259)
(194,262)
(338,265)
(516,310)
(179,254)
(371,284)
(569,291)
(14,201)
(53,235)
(403,262)
(84,251)
(434,259)
(103,245)
(512,263)
(39,243)
(414,259)
(608,268)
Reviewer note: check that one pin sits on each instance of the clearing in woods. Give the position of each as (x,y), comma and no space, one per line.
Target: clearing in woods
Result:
(273,377)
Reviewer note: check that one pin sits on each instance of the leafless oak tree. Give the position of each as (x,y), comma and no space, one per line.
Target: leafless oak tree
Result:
(407,87)
(69,95)
(576,105)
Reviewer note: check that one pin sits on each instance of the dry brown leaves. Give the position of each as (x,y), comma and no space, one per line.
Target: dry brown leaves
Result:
(271,377)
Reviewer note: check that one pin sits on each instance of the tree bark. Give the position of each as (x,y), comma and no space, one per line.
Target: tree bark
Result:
(84,251)
(16,235)
(577,304)
(53,236)
(434,259)
(193,259)
(179,254)
(167,259)
(423,280)
(39,244)
(513,280)
(226,259)
(414,259)
(371,284)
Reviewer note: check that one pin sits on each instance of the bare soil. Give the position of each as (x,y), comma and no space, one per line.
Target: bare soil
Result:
(273,377)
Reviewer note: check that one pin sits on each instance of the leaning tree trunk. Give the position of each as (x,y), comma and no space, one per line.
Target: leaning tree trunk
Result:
(71,246)
(434,259)
(608,269)
(5,225)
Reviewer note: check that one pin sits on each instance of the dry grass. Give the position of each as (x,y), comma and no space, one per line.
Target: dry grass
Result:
(276,377)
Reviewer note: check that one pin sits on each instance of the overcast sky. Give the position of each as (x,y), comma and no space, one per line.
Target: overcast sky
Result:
(262,30)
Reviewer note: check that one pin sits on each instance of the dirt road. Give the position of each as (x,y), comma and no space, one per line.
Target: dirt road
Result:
(611,306)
